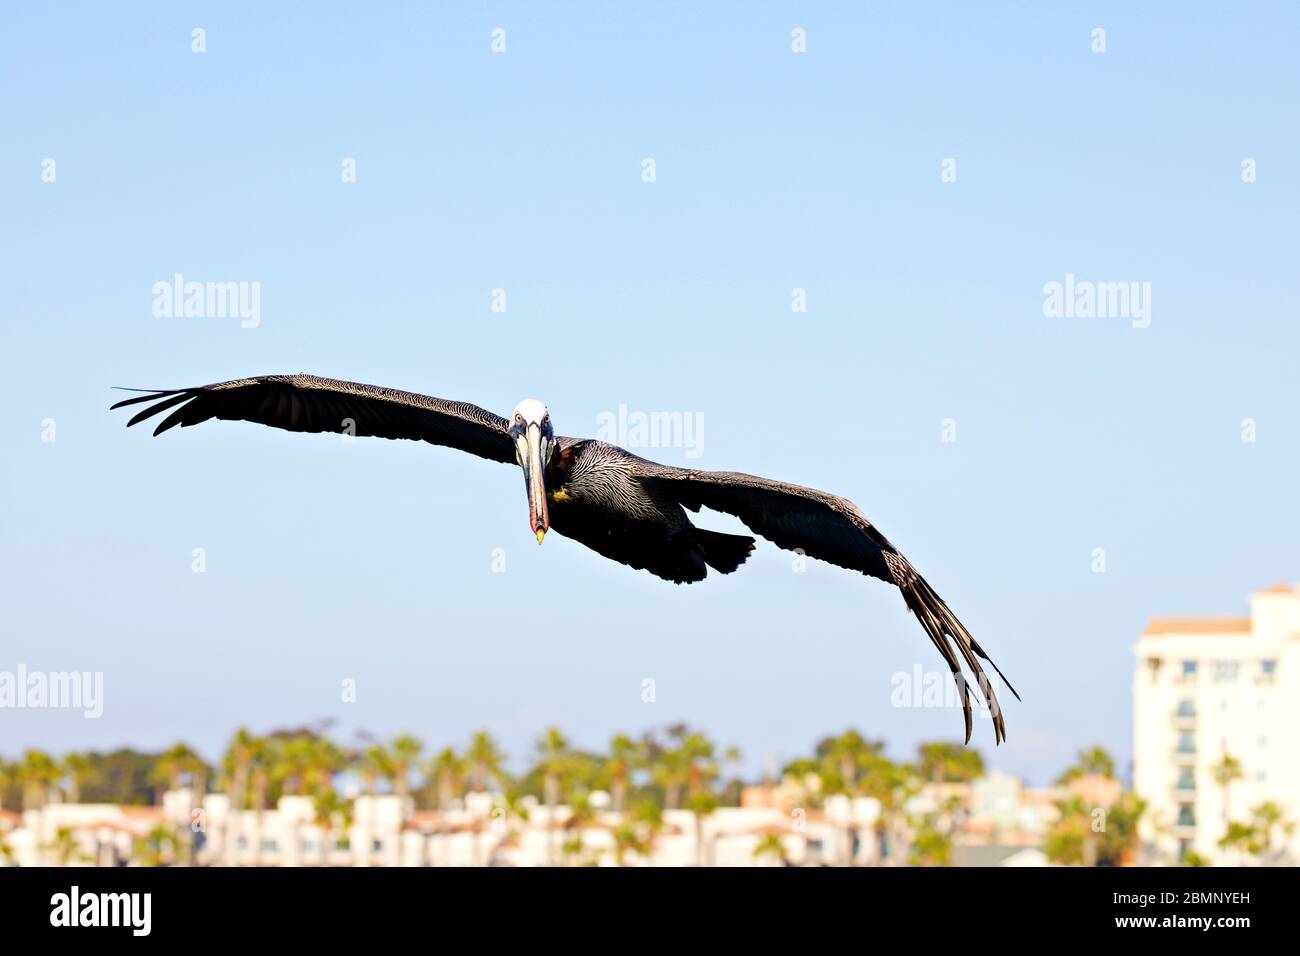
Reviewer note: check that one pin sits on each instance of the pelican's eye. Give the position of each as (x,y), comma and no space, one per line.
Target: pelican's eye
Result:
(519,419)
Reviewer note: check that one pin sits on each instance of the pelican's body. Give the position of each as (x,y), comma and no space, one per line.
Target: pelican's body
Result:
(622,506)
(601,497)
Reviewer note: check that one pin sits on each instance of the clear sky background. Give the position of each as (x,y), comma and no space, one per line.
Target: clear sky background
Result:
(372,561)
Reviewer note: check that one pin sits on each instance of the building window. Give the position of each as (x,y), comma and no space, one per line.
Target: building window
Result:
(1267,669)
(1225,672)
(1186,815)
(1187,708)
(1187,742)
(1189,670)
(1186,779)
(1184,848)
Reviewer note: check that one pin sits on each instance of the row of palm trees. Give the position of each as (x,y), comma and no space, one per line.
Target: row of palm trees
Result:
(853,766)
(677,767)
(255,770)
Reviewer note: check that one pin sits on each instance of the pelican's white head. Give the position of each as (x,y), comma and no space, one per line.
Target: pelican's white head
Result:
(530,427)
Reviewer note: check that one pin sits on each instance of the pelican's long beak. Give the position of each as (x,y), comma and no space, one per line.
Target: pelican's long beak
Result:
(534,461)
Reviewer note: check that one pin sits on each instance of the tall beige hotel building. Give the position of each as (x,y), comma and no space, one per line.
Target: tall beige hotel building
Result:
(1210,687)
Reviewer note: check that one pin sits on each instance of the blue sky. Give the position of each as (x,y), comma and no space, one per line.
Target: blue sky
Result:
(372,561)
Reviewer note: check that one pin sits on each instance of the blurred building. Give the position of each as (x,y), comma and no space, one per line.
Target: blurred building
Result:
(773,826)
(79,834)
(1207,688)
(387,830)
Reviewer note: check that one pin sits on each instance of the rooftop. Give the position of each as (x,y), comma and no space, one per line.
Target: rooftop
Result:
(1197,625)
(1279,589)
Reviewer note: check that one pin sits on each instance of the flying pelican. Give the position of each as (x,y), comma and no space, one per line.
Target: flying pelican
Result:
(616,503)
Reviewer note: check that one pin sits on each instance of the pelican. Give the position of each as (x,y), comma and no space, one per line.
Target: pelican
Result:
(618,504)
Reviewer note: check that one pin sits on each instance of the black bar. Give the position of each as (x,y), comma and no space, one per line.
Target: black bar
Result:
(331,905)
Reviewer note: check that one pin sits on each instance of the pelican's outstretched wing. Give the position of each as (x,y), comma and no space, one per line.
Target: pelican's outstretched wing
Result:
(831,529)
(306,403)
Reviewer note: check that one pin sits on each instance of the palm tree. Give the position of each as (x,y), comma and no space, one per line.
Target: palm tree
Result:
(324,760)
(375,766)
(701,804)
(951,763)
(1256,838)
(1093,762)
(843,759)
(304,764)
(669,770)
(293,759)
(402,755)
(626,840)
(237,763)
(312,760)
(157,847)
(8,776)
(732,756)
(262,759)
(333,815)
(447,771)
(485,759)
(78,770)
(701,767)
(38,773)
(848,754)
(553,755)
(581,813)
(624,755)
(174,766)
(1268,816)
(1225,772)
(1240,837)
(1074,840)
(65,847)
(638,831)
